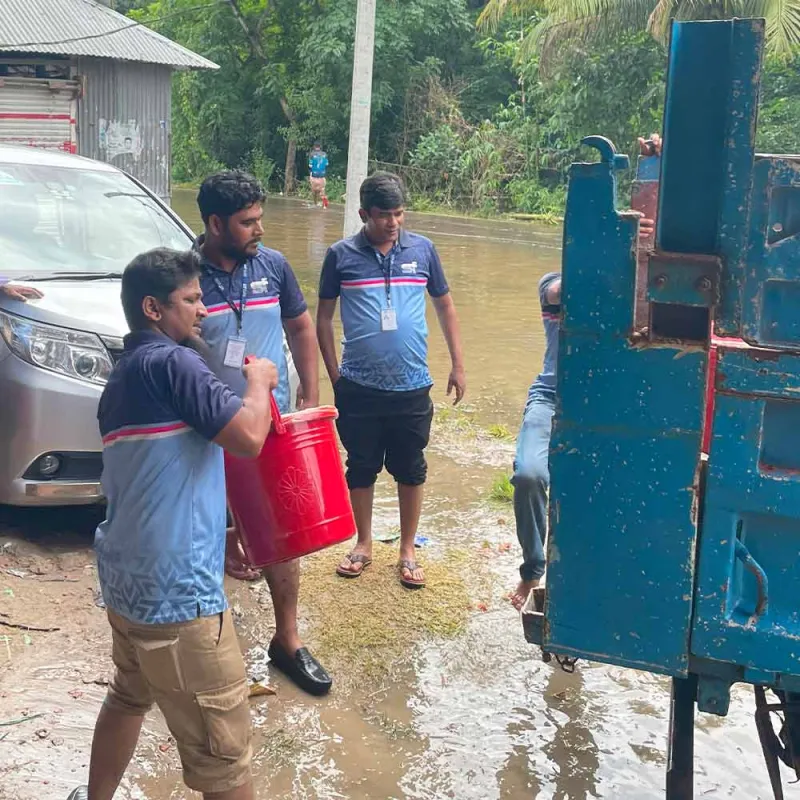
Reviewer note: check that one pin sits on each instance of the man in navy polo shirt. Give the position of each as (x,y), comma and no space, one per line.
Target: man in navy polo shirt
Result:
(165,418)
(253,297)
(383,383)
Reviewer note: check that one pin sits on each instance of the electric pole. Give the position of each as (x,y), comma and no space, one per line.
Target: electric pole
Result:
(360,109)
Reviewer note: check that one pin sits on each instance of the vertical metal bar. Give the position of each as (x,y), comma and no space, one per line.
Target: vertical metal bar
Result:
(680,753)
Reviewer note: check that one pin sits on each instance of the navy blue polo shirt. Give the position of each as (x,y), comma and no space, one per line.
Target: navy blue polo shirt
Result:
(384,359)
(272,295)
(161,548)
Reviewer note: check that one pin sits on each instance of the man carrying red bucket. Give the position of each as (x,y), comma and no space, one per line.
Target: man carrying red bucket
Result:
(382,385)
(252,297)
(165,419)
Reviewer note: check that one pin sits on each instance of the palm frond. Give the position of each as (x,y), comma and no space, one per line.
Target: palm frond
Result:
(783,26)
(496,10)
(581,22)
(568,21)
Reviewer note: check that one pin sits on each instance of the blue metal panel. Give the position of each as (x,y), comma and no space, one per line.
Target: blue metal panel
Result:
(624,455)
(709,144)
(771,281)
(749,572)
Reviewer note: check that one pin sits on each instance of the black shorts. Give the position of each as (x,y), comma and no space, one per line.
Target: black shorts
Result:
(380,428)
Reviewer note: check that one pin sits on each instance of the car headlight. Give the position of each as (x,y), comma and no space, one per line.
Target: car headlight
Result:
(73,353)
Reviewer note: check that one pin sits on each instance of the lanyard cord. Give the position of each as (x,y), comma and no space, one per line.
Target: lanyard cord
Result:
(237,312)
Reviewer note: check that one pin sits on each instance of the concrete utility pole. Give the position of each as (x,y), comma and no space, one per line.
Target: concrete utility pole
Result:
(360,107)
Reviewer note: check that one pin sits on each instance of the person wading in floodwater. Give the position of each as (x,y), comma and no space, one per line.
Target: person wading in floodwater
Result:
(531,479)
(253,298)
(382,386)
(318,168)
(165,419)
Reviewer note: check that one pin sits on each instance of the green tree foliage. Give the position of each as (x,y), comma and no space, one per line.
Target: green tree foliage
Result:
(465,113)
(286,70)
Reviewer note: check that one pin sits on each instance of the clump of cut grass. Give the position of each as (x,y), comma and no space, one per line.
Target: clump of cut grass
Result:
(364,627)
(499,432)
(502,491)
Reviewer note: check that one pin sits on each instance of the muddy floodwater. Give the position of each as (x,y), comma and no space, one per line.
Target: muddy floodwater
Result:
(475,715)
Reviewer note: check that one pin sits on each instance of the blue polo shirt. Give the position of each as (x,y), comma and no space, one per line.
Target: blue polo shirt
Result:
(353,269)
(161,548)
(272,295)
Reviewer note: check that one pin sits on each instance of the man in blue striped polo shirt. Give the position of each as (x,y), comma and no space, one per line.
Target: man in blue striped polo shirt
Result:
(383,383)
(165,419)
(252,297)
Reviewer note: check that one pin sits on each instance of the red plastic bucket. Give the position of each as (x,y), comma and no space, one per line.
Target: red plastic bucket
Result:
(292,500)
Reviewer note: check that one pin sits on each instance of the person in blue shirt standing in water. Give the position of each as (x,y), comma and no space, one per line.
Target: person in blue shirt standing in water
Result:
(382,385)
(253,297)
(318,167)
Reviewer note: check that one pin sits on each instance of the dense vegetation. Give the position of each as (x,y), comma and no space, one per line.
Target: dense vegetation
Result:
(481,106)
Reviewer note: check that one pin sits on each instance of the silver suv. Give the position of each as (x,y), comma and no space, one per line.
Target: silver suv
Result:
(68,226)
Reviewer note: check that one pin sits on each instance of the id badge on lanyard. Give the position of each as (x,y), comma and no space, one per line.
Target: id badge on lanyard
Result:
(388,314)
(235,346)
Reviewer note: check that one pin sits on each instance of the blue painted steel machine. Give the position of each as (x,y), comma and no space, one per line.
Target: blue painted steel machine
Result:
(659,558)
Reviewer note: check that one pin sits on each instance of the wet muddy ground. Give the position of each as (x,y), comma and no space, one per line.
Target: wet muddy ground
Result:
(468,713)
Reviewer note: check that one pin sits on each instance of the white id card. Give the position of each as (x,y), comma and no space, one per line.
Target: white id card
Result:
(234,352)
(388,319)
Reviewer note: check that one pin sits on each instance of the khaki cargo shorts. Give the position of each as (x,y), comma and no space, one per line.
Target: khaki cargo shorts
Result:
(318,185)
(195,673)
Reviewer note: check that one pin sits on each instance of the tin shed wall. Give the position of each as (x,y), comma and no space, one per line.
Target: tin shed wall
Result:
(124,118)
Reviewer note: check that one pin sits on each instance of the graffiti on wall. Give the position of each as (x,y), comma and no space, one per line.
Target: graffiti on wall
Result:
(119,138)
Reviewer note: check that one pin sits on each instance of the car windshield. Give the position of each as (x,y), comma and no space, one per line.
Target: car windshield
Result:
(77,220)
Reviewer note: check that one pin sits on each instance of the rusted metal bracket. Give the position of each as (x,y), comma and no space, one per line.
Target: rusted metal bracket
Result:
(683,279)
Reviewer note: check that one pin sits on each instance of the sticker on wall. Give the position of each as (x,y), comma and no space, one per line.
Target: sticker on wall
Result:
(119,138)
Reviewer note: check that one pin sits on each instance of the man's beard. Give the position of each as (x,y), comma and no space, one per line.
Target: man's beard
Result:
(199,345)
(236,253)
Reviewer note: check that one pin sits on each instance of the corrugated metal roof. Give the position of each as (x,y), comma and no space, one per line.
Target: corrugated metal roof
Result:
(87,28)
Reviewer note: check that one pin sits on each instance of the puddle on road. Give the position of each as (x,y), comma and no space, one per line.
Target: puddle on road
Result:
(475,717)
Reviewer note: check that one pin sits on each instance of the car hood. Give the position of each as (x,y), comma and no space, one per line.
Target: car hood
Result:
(93,306)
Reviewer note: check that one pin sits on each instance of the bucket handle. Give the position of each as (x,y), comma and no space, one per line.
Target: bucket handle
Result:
(277,423)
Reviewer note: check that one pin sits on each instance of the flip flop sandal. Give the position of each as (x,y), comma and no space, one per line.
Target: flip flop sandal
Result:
(354,558)
(409,583)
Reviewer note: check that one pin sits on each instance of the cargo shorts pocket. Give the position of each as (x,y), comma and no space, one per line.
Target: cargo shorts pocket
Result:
(159,662)
(226,714)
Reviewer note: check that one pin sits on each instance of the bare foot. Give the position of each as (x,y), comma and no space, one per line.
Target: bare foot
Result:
(520,594)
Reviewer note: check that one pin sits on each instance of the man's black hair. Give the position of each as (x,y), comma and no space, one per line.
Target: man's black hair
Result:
(225,193)
(156,273)
(383,190)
